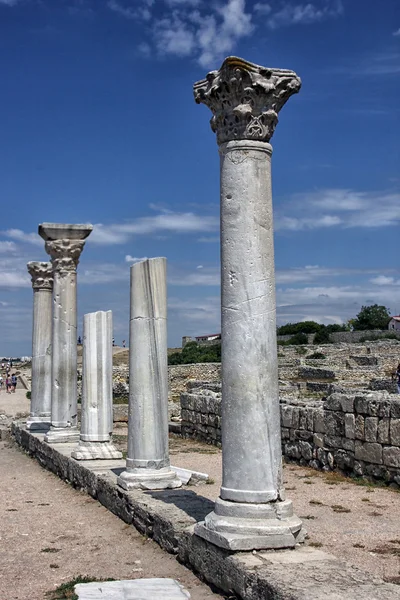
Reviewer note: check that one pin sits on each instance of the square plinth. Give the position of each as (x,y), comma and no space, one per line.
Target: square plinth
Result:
(62,231)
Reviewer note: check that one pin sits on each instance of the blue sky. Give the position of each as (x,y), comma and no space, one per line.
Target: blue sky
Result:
(99,125)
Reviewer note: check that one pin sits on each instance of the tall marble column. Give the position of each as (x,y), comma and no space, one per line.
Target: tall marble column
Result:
(251,511)
(64,243)
(97,394)
(42,284)
(147,463)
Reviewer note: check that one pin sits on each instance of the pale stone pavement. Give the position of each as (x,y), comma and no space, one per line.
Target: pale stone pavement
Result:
(14,403)
(51,533)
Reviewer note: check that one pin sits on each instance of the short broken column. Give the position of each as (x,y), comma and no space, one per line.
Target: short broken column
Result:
(147,463)
(97,399)
(42,284)
(64,243)
(251,511)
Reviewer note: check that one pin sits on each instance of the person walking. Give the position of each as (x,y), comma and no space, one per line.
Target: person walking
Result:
(1,382)
(13,382)
(8,384)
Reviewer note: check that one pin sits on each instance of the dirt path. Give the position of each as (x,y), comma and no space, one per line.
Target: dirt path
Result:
(14,403)
(51,533)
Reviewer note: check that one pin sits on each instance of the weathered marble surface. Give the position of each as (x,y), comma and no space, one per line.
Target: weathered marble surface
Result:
(134,589)
(147,462)
(245,100)
(97,399)
(64,243)
(42,283)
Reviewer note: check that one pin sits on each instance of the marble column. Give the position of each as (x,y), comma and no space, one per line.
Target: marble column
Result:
(64,243)
(42,284)
(147,463)
(251,511)
(97,398)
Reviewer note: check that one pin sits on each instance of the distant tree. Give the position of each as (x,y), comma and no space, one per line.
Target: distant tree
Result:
(334,327)
(298,339)
(372,317)
(322,336)
(195,353)
(302,327)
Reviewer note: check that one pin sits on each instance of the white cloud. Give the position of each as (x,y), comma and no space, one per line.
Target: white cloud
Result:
(21,236)
(384,280)
(304,14)
(7,247)
(172,222)
(9,2)
(206,276)
(173,35)
(134,259)
(262,8)
(339,208)
(397,32)
(141,10)
(208,239)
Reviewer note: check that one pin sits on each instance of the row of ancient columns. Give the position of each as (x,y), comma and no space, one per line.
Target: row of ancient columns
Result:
(251,511)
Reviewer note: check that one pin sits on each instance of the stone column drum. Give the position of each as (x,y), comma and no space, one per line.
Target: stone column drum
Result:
(97,397)
(64,243)
(42,284)
(251,511)
(147,463)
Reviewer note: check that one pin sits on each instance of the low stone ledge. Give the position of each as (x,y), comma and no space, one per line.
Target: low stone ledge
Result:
(168,517)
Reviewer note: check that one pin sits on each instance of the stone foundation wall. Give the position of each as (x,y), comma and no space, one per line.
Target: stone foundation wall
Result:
(357,432)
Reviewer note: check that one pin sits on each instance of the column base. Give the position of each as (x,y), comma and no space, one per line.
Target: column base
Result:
(38,423)
(149,479)
(238,526)
(96,451)
(62,435)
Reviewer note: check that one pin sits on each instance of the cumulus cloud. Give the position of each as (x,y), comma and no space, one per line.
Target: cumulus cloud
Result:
(134,259)
(305,14)
(21,236)
(397,32)
(168,221)
(342,208)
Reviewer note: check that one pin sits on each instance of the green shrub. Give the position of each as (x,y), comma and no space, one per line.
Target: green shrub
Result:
(195,353)
(28,395)
(297,340)
(322,336)
(317,355)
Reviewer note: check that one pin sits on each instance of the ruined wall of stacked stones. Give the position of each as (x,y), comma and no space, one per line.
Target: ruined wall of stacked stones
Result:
(358,433)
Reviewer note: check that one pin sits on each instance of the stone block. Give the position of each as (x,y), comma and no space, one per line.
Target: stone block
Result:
(303,418)
(318,440)
(286,415)
(395,432)
(334,423)
(359,427)
(368,452)
(344,460)
(285,432)
(333,402)
(361,405)
(383,431)
(371,429)
(395,409)
(319,421)
(306,450)
(310,418)
(303,434)
(295,417)
(332,441)
(349,426)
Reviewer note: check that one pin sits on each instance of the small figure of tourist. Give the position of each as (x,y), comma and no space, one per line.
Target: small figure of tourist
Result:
(123,343)
(1,383)
(13,382)
(8,384)
(79,340)
(113,341)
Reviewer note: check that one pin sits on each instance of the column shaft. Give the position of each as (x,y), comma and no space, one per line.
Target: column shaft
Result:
(97,398)
(42,280)
(64,371)
(148,463)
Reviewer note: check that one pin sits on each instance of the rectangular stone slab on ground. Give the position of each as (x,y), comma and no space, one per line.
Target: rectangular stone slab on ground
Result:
(133,589)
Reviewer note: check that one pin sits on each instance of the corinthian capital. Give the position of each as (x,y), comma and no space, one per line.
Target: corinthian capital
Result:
(64,253)
(41,275)
(245,99)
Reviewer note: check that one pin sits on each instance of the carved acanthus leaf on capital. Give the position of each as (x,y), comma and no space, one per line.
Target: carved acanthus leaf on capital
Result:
(245,99)
(64,253)
(41,275)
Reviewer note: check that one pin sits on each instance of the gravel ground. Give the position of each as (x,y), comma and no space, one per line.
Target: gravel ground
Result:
(358,523)
(51,533)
